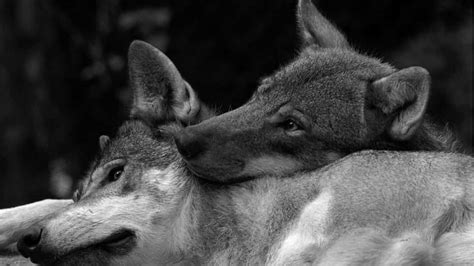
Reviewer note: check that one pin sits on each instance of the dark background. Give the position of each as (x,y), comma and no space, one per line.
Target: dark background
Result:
(63,77)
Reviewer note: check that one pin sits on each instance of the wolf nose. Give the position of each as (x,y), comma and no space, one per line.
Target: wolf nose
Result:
(188,145)
(29,246)
(29,242)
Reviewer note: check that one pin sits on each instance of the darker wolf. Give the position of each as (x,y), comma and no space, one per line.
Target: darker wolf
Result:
(139,205)
(328,102)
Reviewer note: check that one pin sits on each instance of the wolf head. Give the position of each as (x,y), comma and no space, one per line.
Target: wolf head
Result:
(328,102)
(128,204)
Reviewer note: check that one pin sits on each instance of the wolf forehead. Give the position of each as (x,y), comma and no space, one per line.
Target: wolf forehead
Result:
(139,142)
(324,69)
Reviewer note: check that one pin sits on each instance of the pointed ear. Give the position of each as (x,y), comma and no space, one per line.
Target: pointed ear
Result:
(316,29)
(403,95)
(103,141)
(159,91)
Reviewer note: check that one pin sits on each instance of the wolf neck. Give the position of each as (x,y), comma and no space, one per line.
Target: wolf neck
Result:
(239,223)
(432,137)
(429,137)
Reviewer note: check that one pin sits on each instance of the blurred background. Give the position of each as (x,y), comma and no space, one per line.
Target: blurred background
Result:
(63,75)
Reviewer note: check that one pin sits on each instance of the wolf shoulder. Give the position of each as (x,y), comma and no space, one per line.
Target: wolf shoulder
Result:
(398,163)
(420,168)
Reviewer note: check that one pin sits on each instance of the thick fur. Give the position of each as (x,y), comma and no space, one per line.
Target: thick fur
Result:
(403,206)
(369,208)
(341,101)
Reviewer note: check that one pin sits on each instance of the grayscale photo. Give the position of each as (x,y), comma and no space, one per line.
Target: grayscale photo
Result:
(284,132)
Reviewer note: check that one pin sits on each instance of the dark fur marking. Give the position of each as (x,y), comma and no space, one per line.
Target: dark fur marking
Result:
(458,213)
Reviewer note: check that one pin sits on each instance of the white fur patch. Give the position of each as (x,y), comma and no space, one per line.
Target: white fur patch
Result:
(308,232)
(15,221)
(90,222)
(456,248)
(166,180)
(171,181)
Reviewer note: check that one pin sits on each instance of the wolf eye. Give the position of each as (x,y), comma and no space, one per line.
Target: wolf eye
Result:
(115,173)
(290,125)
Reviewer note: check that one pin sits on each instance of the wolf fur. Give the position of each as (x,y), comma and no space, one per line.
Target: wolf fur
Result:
(370,207)
(13,221)
(139,205)
(328,102)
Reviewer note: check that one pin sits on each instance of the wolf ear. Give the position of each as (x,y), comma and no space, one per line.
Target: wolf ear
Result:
(404,96)
(103,141)
(316,29)
(159,91)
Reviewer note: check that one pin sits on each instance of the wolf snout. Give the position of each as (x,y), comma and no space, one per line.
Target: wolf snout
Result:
(189,145)
(29,246)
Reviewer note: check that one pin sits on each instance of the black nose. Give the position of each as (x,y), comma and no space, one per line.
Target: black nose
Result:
(189,145)
(29,246)
(29,242)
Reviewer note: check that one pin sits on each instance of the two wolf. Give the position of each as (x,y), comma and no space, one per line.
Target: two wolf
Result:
(141,205)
